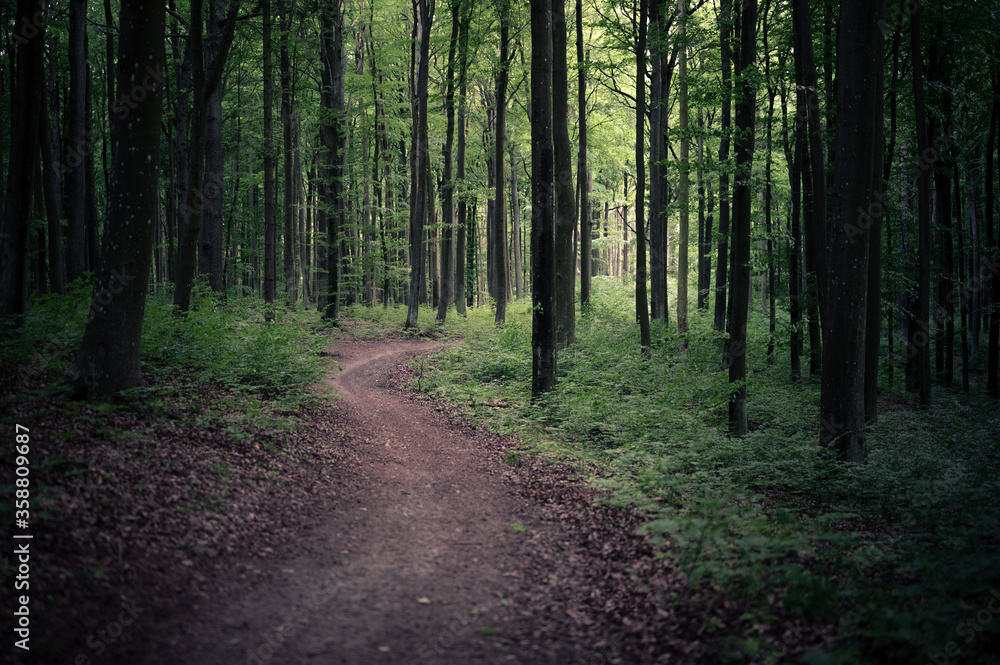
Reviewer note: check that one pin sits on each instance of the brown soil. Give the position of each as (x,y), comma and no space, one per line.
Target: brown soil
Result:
(419,543)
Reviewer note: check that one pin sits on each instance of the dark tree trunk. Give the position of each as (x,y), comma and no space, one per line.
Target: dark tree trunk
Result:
(288,203)
(199,188)
(423,15)
(814,180)
(856,216)
(515,228)
(684,186)
(77,142)
(448,186)
(270,229)
(499,263)
(543,298)
(109,357)
(722,262)
(641,298)
(51,187)
(735,352)
(920,338)
(565,209)
(460,239)
(210,246)
(27,106)
(581,172)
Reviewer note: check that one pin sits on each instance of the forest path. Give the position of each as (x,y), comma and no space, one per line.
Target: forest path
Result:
(434,551)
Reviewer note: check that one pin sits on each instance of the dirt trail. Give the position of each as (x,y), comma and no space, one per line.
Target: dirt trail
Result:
(415,565)
(434,551)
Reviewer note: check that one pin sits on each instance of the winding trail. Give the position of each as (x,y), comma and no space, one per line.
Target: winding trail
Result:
(415,563)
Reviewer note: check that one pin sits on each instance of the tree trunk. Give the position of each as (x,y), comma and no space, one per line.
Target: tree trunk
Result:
(27,105)
(565,212)
(515,229)
(288,202)
(77,141)
(641,298)
(53,206)
(270,229)
(722,262)
(199,188)
(499,227)
(735,352)
(210,249)
(856,216)
(543,298)
(109,357)
(423,15)
(448,186)
(921,336)
(684,185)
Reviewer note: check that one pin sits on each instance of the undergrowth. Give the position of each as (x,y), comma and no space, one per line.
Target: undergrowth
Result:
(259,371)
(895,558)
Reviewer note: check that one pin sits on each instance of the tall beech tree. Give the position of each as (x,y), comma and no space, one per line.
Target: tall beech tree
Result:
(565,211)
(20,178)
(203,85)
(735,353)
(855,197)
(543,298)
(423,16)
(448,185)
(109,356)
(641,299)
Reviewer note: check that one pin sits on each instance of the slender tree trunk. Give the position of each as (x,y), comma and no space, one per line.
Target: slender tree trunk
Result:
(735,352)
(423,15)
(109,356)
(270,229)
(921,337)
(515,230)
(448,187)
(199,188)
(288,202)
(210,245)
(460,240)
(499,228)
(685,185)
(565,210)
(641,298)
(53,206)
(77,142)
(722,262)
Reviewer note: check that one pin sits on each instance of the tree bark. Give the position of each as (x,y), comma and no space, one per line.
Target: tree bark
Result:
(77,142)
(448,186)
(27,105)
(856,216)
(565,209)
(499,228)
(920,338)
(685,184)
(423,15)
(109,357)
(735,352)
(543,319)
(641,298)
(722,261)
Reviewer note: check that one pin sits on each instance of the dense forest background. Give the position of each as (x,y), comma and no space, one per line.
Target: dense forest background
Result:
(792,197)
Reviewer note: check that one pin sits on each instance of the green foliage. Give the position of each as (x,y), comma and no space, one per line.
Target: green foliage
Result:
(889,554)
(232,345)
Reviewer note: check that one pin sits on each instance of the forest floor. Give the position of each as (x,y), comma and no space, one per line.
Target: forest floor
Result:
(388,530)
